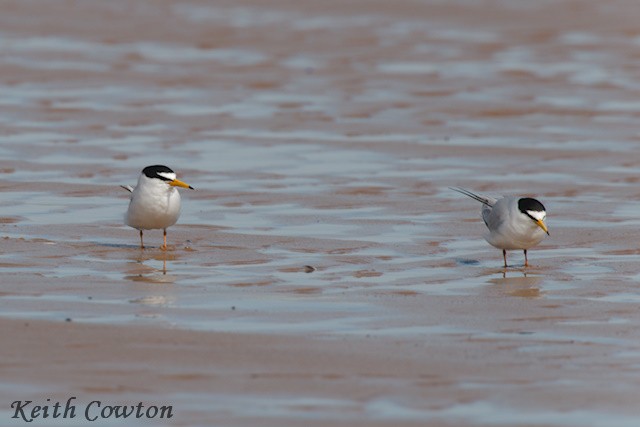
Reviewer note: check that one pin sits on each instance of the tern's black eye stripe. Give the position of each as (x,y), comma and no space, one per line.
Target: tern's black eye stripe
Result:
(528,204)
(527,214)
(153,172)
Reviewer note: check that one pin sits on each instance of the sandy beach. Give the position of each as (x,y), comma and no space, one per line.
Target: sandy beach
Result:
(322,273)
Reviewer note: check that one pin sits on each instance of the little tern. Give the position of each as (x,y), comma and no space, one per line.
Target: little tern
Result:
(513,222)
(155,201)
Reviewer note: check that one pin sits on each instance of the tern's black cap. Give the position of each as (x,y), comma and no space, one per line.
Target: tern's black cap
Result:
(155,170)
(528,204)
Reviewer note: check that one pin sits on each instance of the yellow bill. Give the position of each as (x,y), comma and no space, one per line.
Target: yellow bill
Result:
(178,183)
(542,225)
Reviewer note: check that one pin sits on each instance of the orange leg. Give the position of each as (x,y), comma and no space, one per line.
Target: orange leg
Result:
(164,246)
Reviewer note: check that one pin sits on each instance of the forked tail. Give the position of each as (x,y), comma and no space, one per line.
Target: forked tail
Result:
(489,201)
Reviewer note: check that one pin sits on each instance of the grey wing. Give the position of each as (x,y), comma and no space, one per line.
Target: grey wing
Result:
(486,214)
(495,215)
(491,219)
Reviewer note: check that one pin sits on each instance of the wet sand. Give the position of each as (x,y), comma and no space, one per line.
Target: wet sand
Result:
(322,135)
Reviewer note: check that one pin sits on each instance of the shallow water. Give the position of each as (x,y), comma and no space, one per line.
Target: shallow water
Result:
(328,137)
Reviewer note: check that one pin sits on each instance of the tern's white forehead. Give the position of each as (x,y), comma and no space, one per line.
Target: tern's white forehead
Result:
(539,215)
(168,175)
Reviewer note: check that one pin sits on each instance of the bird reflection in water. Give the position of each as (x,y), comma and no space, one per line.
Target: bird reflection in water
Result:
(141,271)
(518,284)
